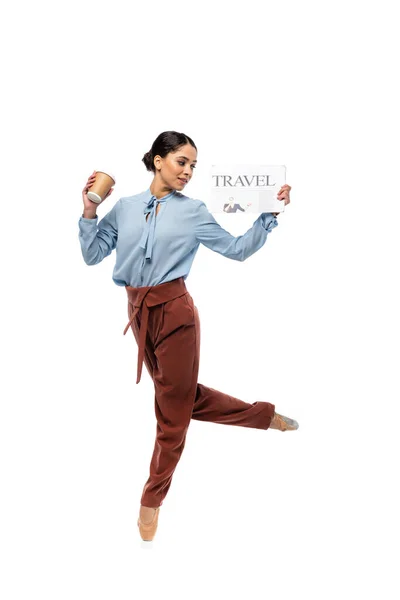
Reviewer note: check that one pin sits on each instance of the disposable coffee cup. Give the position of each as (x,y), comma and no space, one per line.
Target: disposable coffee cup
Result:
(101,186)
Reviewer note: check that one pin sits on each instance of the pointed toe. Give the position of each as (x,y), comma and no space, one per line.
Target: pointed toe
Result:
(148,530)
(283,423)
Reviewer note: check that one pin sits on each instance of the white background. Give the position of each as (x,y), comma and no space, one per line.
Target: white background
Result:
(250,513)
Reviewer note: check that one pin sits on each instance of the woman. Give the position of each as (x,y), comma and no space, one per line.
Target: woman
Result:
(157,234)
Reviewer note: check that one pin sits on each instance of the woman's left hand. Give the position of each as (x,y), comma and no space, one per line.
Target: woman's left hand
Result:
(284,194)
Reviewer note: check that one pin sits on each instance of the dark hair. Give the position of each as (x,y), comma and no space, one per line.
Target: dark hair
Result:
(167,141)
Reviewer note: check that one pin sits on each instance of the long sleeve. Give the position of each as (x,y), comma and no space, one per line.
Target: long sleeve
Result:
(213,236)
(98,240)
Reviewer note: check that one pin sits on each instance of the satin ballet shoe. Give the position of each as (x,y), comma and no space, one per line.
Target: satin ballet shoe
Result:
(283,423)
(148,530)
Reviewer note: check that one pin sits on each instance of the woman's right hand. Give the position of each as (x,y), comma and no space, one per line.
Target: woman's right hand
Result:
(90,206)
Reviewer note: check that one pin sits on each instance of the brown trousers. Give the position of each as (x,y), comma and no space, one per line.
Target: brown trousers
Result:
(166,326)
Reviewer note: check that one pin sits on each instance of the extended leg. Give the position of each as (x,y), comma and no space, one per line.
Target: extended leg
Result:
(217,407)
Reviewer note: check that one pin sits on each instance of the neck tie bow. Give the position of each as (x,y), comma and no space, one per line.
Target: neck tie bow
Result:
(147,238)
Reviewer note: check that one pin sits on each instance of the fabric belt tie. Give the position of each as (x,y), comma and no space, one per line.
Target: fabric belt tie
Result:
(148,296)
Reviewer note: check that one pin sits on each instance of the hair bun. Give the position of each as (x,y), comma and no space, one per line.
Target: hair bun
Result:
(147,160)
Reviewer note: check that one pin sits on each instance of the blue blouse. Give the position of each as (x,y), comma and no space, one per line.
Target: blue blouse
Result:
(163,247)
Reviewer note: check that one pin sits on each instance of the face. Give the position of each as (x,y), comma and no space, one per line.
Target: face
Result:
(176,168)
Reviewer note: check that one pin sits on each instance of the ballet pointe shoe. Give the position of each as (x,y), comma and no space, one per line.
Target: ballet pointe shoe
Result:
(148,528)
(283,423)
